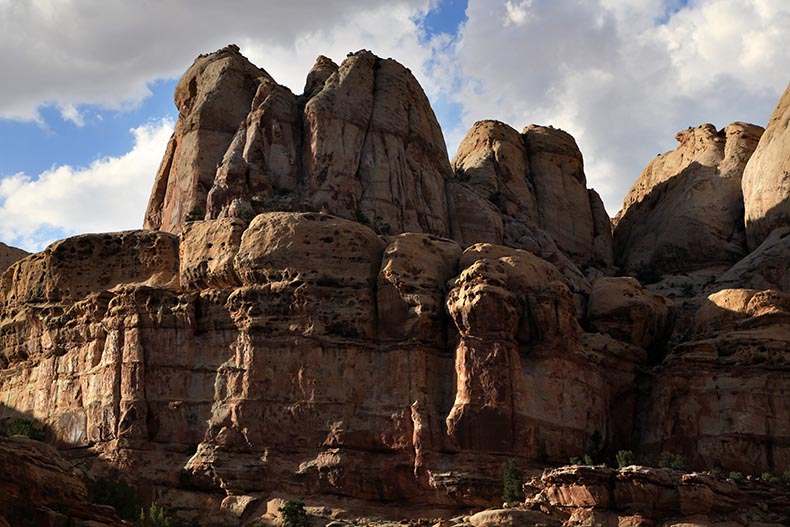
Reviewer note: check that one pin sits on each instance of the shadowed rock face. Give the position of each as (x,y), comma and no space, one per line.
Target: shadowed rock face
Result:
(685,212)
(766,179)
(362,143)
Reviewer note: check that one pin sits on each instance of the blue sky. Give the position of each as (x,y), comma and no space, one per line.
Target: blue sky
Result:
(86,102)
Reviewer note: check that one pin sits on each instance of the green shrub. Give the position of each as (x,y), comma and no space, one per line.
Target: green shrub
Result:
(737,477)
(786,477)
(294,513)
(512,482)
(247,215)
(769,478)
(156,517)
(115,493)
(196,214)
(671,461)
(586,459)
(625,458)
(24,427)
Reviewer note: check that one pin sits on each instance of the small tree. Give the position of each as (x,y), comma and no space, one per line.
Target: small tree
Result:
(294,513)
(512,480)
(625,458)
(156,517)
(671,461)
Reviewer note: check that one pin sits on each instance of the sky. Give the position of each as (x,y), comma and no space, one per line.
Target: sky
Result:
(87,85)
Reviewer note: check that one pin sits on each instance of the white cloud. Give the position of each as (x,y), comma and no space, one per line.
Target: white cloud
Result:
(105,52)
(109,195)
(622,76)
(69,112)
(517,13)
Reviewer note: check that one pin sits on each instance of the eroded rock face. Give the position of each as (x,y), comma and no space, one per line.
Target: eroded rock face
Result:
(72,268)
(766,179)
(362,143)
(643,496)
(625,310)
(213,97)
(765,267)
(732,365)
(685,211)
(535,181)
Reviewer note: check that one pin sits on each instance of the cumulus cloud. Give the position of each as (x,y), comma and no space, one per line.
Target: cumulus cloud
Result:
(622,76)
(109,195)
(105,52)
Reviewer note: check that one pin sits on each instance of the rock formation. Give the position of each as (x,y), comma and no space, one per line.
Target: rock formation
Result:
(325,306)
(766,179)
(523,185)
(685,212)
(362,143)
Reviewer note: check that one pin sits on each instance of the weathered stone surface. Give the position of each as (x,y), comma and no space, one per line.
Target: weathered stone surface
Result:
(373,148)
(557,170)
(766,179)
(206,253)
(72,268)
(764,268)
(535,180)
(9,255)
(685,211)
(362,143)
(719,396)
(643,496)
(213,97)
(519,343)
(412,287)
(38,487)
(625,310)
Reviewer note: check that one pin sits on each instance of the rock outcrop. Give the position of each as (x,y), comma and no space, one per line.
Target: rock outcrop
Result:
(766,179)
(307,348)
(362,143)
(213,98)
(685,212)
(509,187)
(641,496)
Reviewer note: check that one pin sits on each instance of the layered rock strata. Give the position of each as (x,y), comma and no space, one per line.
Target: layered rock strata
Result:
(316,354)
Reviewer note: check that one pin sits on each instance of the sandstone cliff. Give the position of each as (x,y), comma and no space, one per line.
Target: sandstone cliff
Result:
(362,142)
(685,212)
(766,179)
(326,306)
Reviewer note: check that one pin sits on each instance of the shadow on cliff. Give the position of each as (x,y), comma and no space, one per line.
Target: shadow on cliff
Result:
(648,229)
